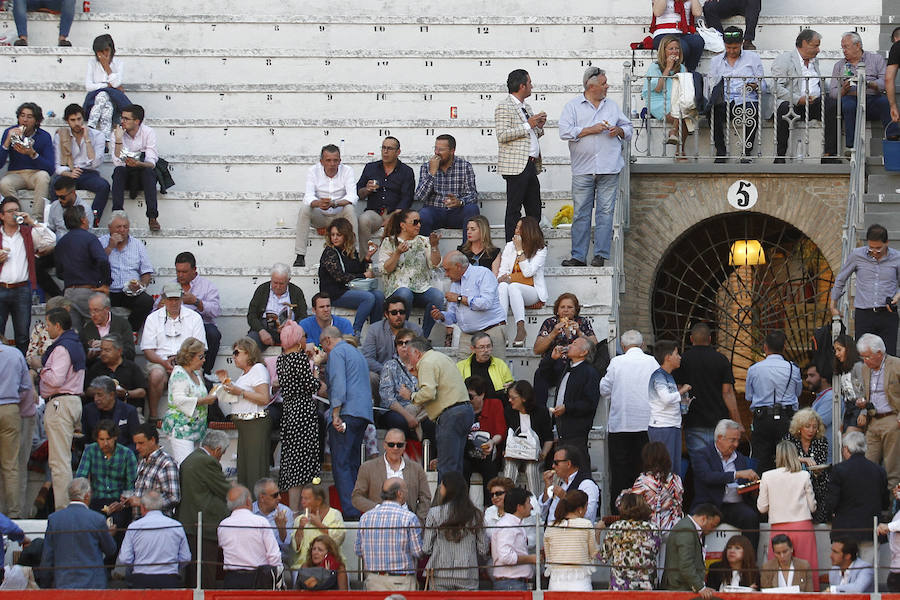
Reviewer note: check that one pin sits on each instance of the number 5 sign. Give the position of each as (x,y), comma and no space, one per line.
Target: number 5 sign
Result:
(742,195)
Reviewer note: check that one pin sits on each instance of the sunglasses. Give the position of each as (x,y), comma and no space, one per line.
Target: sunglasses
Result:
(403,342)
(235,352)
(415,222)
(397,311)
(395,444)
(732,34)
(497,494)
(561,460)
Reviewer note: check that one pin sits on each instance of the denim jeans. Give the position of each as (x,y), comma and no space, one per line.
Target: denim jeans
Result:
(368,305)
(877,108)
(345,448)
(511,585)
(587,191)
(697,439)
(434,217)
(17,301)
(453,426)
(65,7)
(120,180)
(432,297)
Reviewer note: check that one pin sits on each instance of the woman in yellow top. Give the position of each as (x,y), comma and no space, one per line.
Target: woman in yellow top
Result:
(316,518)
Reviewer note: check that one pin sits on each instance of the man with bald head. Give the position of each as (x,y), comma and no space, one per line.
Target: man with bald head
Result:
(246,544)
(577,397)
(473,303)
(373,473)
(390,540)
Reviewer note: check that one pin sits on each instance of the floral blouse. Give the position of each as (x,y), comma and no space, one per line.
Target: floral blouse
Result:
(663,497)
(630,549)
(414,269)
(565,337)
(184,393)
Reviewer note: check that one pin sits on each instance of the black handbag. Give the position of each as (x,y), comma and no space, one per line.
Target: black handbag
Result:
(326,579)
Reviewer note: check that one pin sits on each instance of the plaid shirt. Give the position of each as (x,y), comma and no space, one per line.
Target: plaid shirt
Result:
(109,476)
(392,549)
(158,472)
(459,179)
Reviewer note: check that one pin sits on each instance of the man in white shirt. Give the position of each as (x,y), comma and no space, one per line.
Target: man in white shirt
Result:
(513,566)
(79,155)
(519,154)
(246,544)
(164,332)
(892,530)
(18,275)
(569,475)
(330,193)
(133,137)
(627,385)
(795,95)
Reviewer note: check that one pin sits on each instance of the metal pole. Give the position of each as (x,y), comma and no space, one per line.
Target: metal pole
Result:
(875,548)
(538,545)
(199,547)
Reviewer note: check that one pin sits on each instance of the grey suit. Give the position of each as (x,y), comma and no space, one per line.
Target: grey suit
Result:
(788,93)
(378,346)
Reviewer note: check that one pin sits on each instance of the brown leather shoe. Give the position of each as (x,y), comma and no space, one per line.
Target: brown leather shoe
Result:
(748,45)
(154,224)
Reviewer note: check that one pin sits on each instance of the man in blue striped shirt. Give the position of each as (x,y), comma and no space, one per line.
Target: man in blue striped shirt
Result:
(390,540)
(156,546)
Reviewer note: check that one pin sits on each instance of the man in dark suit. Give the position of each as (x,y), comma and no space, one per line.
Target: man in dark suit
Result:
(102,318)
(685,569)
(857,491)
(577,397)
(717,470)
(203,490)
(273,297)
(76,541)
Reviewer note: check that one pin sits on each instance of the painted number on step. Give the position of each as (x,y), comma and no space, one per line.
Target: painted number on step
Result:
(742,194)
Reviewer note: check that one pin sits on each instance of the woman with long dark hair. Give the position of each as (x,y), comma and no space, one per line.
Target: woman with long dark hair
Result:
(848,368)
(407,262)
(737,568)
(530,425)
(106,96)
(660,487)
(630,546)
(570,545)
(521,273)
(339,265)
(454,537)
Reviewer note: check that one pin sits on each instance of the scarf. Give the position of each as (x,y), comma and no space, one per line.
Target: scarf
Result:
(72,343)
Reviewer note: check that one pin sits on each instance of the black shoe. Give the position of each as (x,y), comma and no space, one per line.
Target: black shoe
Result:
(20,42)
(96,222)
(746,160)
(300,261)
(779,161)
(573,262)
(831,160)
(721,160)
(598,261)
(65,44)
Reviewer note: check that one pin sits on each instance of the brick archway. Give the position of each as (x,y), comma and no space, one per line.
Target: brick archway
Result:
(665,206)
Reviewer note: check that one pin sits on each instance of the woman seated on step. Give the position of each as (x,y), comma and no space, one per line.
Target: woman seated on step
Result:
(521,273)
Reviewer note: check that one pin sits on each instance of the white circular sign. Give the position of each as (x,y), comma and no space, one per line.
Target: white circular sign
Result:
(742,194)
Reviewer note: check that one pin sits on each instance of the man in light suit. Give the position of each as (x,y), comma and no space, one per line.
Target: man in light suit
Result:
(685,569)
(577,398)
(883,432)
(373,473)
(203,490)
(803,94)
(849,573)
(519,153)
(76,541)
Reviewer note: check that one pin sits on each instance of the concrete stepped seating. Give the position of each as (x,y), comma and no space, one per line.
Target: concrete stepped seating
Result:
(274,66)
(882,203)
(475,32)
(592,285)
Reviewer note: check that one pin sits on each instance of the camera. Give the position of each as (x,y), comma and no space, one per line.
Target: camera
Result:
(20,219)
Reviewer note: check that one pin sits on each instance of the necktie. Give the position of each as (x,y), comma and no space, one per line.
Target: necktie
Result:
(525,112)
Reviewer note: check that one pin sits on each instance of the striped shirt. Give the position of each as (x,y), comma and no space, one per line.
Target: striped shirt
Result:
(128,263)
(111,476)
(458,180)
(389,539)
(875,279)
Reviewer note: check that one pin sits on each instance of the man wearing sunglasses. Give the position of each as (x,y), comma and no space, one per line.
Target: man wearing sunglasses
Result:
(378,347)
(65,196)
(373,473)
(567,475)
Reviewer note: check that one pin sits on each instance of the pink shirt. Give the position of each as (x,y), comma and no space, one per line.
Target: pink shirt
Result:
(58,377)
(508,542)
(247,541)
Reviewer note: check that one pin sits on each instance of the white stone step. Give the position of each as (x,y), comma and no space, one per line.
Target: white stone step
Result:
(592,285)
(313,32)
(272,66)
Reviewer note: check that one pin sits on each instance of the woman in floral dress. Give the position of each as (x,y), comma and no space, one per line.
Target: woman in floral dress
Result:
(185,419)
(631,546)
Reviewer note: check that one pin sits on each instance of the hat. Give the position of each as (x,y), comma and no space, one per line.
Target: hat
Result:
(172,290)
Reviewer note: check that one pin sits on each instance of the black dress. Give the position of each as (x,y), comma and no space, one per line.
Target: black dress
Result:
(485,258)
(299,421)
(818,451)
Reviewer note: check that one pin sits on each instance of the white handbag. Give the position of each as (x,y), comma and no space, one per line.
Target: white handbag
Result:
(522,446)
(712,39)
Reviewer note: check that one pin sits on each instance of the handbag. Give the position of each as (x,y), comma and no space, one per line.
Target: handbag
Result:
(522,446)
(517,277)
(712,39)
(326,579)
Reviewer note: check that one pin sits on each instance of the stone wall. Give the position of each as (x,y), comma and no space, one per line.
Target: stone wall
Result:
(665,206)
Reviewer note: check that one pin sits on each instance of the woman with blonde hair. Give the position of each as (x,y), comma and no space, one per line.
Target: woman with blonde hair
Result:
(657,89)
(807,433)
(185,418)
(521,273)
(249,413)
(570,545)
(478,247)
(786,493)
(339,265)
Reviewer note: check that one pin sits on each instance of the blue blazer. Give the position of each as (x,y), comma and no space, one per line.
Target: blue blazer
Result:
(710,478)
(78,537)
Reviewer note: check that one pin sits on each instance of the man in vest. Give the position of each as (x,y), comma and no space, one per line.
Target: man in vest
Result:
(79,154)
(568,474)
